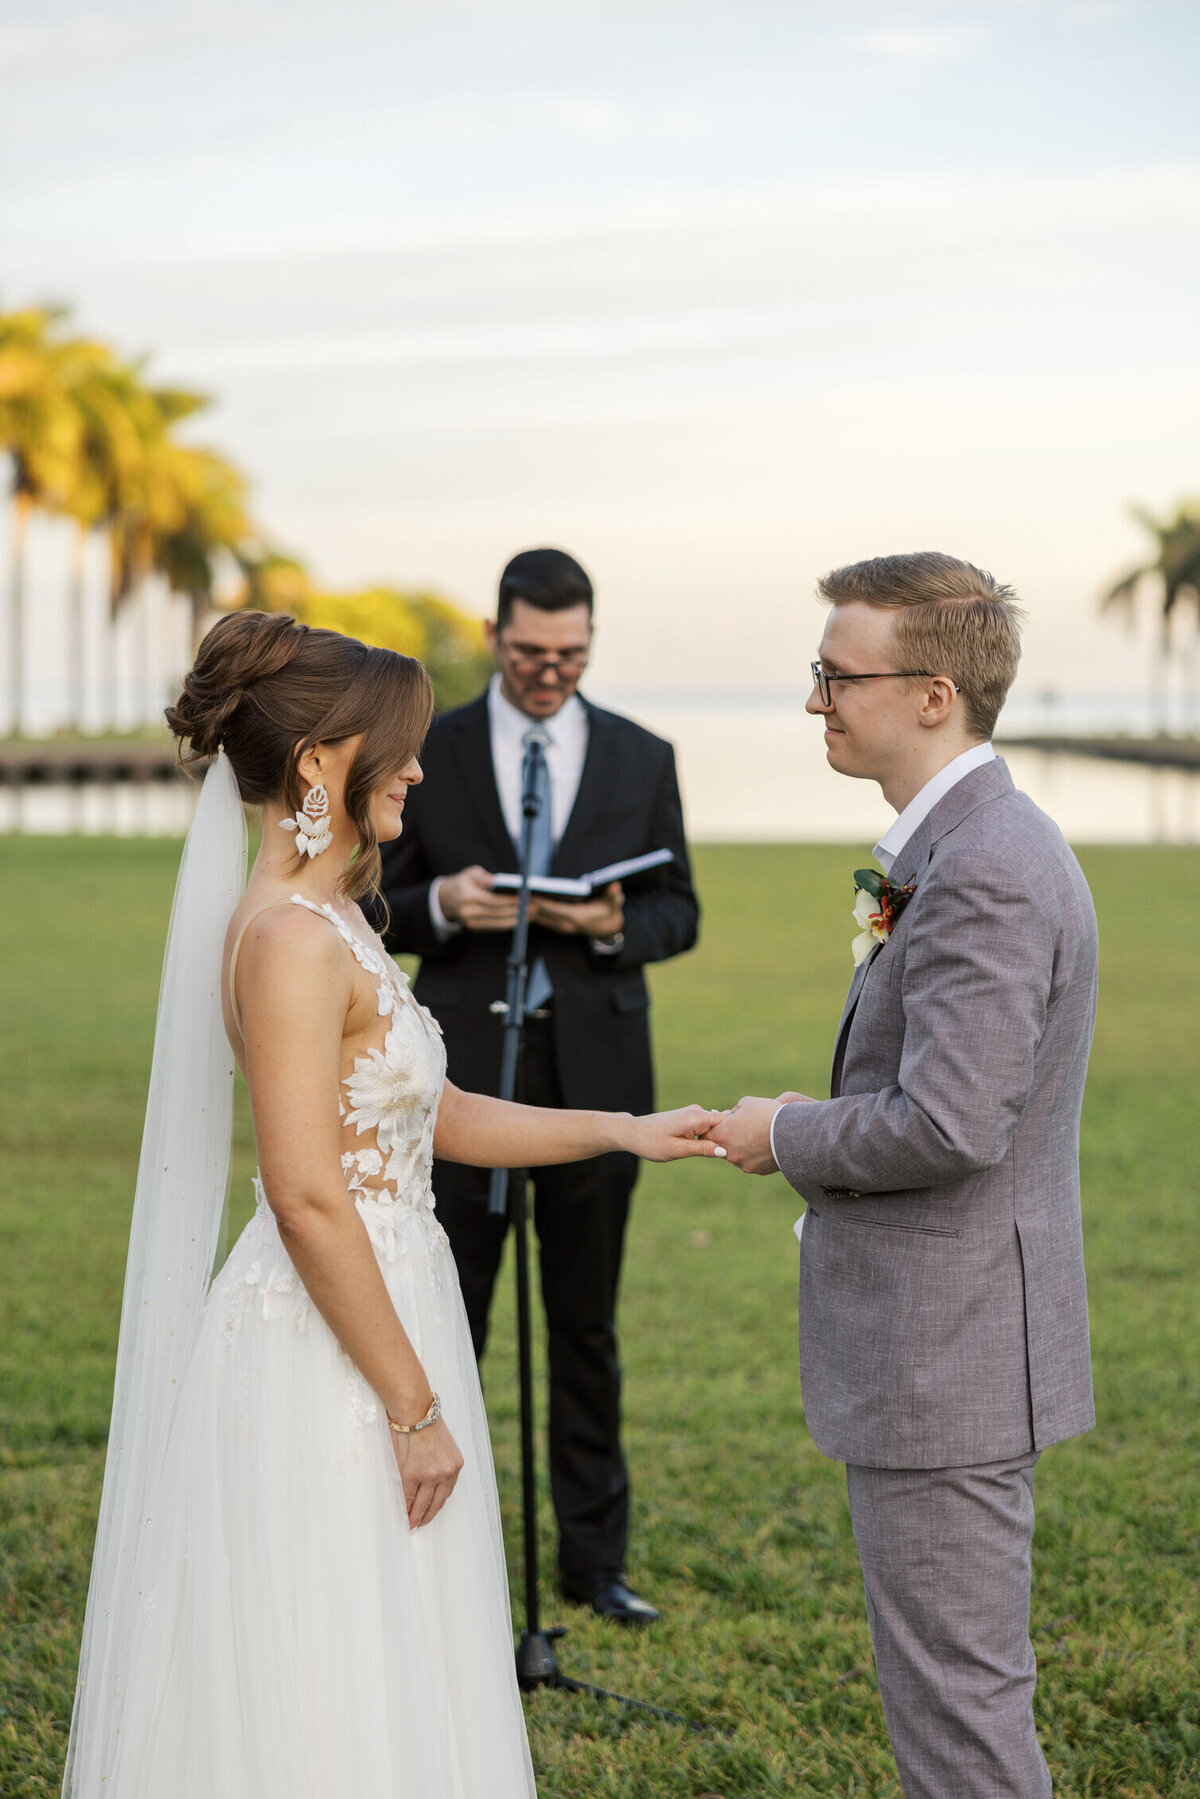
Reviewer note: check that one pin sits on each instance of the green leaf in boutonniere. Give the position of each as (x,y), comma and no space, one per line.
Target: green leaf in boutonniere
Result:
(877,906)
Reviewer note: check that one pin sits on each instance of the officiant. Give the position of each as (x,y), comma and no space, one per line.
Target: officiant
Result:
(613,795)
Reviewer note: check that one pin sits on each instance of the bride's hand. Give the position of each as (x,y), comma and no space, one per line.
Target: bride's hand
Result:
(429,1462)
(668,1136)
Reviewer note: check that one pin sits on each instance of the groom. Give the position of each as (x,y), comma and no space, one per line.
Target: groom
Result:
(943,1313)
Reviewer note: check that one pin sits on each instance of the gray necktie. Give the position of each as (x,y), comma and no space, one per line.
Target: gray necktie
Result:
(541,854)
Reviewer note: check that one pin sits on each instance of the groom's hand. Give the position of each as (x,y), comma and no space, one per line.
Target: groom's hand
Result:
(745,1135)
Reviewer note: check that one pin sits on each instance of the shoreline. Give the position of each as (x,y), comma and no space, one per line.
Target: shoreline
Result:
(38,761)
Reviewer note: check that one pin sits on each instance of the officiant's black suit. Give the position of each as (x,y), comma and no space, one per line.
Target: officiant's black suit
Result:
(593,1050)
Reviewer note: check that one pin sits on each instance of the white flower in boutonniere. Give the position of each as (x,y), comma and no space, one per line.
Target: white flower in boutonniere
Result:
(877,906)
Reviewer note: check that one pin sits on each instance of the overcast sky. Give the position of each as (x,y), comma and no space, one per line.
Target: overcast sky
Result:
(714,296)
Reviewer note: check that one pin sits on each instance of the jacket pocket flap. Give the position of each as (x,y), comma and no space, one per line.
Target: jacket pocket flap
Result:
(630,996)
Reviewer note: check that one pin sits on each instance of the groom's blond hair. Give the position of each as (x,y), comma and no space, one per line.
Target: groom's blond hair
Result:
(953,619)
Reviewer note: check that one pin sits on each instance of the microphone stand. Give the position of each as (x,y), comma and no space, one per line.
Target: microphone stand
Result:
(537,1665)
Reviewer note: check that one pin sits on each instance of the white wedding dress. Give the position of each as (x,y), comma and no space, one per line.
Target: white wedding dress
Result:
(299,1641)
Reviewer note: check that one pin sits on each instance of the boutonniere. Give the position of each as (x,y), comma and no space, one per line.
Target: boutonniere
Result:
(877,906)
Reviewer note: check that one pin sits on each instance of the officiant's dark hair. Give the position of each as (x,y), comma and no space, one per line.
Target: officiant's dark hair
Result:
(548,579)
(265,689)
(954,619)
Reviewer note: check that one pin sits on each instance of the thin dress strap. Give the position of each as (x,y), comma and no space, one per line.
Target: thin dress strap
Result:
(365,954)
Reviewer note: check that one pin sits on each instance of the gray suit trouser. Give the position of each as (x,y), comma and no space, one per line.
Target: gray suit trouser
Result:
(946,1559)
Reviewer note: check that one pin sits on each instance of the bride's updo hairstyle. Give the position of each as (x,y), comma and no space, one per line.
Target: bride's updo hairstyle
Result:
(265,689)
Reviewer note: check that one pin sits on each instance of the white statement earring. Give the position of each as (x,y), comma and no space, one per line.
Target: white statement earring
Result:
(311,824)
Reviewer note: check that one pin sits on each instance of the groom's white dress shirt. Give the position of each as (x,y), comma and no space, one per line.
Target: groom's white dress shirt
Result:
(922,804)
(906,822)
(566,750)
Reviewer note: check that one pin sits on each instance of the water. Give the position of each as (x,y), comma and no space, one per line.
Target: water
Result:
(750,773)
(98,808)
(760,775)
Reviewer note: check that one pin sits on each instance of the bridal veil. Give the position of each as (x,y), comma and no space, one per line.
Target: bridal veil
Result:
(177,1214)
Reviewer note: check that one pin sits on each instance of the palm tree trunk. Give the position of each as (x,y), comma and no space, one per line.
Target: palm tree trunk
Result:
(1160,701)
(108,669)
(140,620)
(200,604)
(1191,720)
(139,659)
(22,507)
(75,632)
(108,646)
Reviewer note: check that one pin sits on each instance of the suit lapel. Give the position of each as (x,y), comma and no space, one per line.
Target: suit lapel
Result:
(982,784)
(912,858)
(597,773)
(473,749)
(839,1048)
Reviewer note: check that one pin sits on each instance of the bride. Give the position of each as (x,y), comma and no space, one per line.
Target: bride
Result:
(298,1589)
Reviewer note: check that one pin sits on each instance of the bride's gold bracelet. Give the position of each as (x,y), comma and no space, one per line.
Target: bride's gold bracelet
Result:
(431,1417)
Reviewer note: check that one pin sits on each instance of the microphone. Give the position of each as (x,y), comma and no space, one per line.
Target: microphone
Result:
(532,784)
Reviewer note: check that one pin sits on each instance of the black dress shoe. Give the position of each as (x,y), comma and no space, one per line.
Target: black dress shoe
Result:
(609,1597)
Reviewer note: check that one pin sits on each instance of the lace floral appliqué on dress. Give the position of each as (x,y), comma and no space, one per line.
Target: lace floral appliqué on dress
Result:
(391,1100)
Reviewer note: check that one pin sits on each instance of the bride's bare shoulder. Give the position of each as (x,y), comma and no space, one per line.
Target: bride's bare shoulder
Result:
(279,945)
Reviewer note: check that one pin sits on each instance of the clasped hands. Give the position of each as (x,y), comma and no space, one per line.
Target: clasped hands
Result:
(744,1133)
(469,899)
(741,1136)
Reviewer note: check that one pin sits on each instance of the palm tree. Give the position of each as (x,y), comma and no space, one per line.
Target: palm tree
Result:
(274,582)
(208,523)
(39,429)
(150,504)
(108,466)
(450,643)
(90,439)
(455,649)
(1176,568)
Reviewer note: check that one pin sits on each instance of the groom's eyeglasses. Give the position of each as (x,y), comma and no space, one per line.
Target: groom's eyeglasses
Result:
(823,681)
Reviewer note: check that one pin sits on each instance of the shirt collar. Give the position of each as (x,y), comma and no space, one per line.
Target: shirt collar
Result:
(922,804)
(513,723)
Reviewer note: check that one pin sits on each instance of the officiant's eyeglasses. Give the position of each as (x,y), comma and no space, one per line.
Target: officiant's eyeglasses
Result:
(533,661)
(823,681)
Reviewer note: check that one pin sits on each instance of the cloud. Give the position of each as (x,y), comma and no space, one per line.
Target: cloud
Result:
(577,339)
(1152,199)
(954,44)
(588,116)
(21,45)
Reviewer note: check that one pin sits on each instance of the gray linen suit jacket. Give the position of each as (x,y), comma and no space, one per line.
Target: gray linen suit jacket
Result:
(943,1311)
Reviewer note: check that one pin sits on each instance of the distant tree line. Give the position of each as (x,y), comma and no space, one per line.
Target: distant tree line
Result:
(91,440)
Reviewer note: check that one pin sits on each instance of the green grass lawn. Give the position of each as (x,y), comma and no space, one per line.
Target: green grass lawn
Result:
(741,1532)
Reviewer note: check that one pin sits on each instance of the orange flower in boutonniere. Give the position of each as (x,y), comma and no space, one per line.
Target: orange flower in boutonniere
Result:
(877,906)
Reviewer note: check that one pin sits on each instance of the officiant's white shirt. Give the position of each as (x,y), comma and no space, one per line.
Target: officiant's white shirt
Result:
(566,750)
(897,835)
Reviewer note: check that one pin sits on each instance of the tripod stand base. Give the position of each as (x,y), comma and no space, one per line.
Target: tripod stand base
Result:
(537,1666)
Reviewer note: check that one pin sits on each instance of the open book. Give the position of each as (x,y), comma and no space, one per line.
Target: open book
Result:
(583,887)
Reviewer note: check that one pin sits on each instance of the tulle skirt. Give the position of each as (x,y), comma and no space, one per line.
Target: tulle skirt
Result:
(300,1641)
